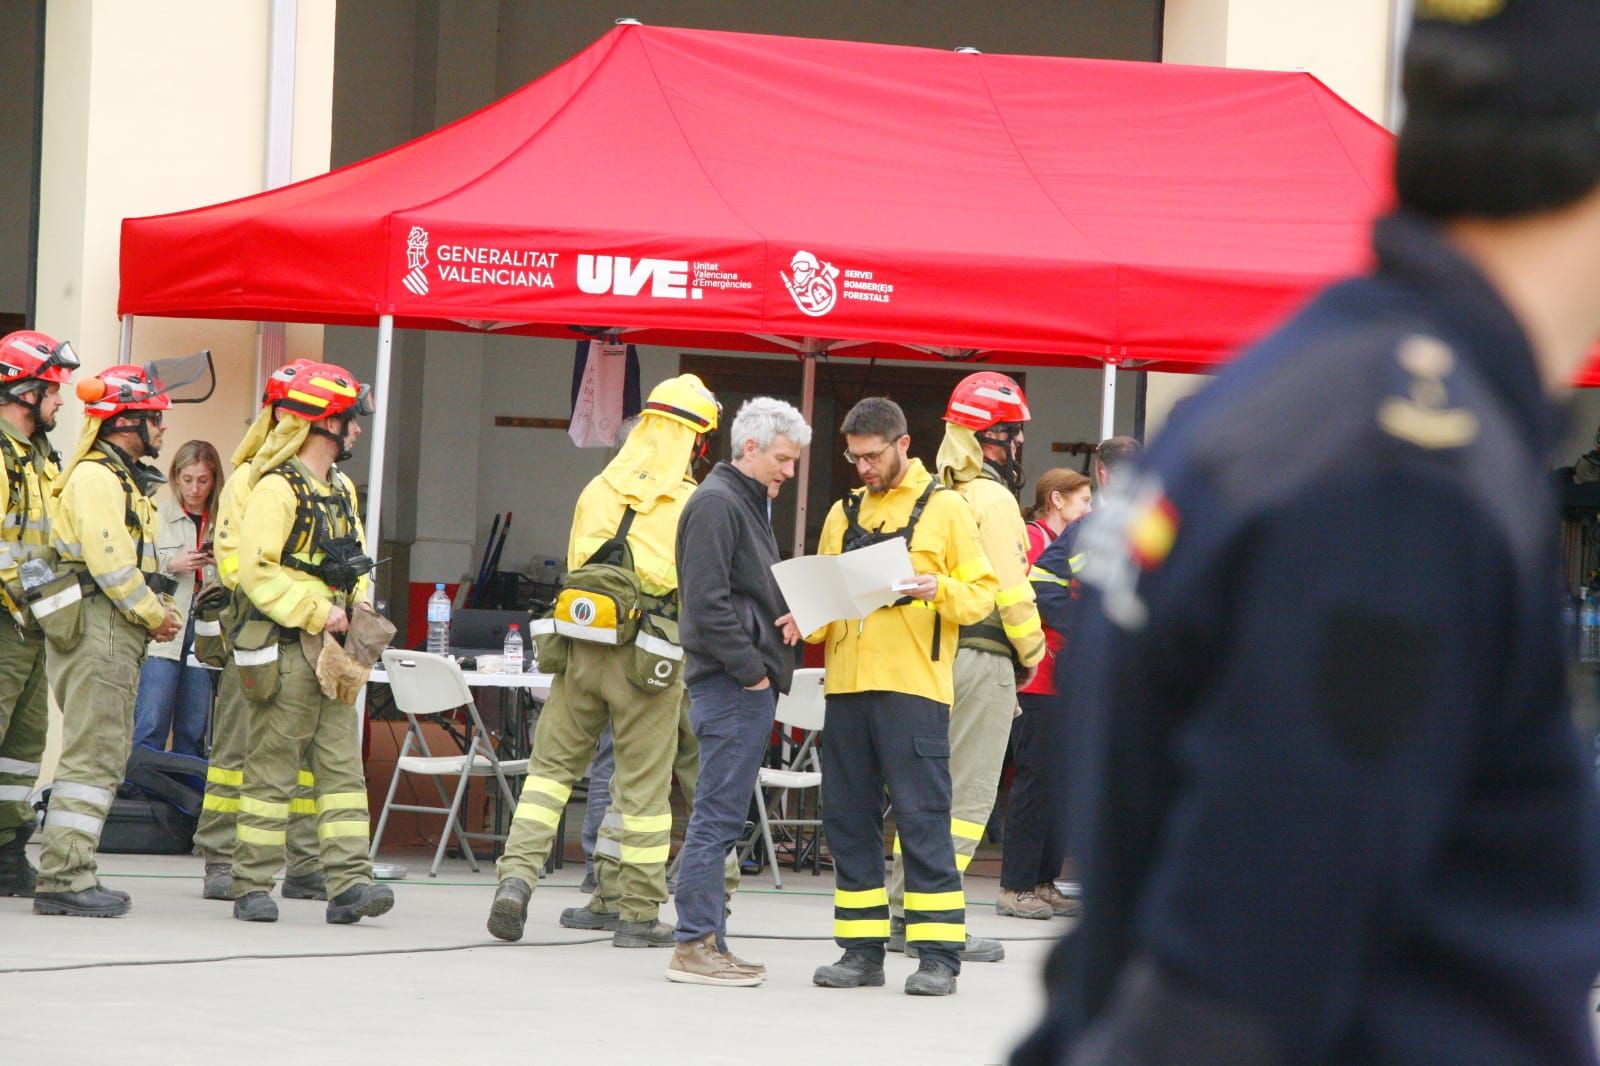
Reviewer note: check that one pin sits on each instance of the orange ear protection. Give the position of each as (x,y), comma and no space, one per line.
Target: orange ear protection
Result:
(91,390)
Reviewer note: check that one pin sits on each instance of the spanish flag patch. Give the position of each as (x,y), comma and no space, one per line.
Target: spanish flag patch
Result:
(1152,532)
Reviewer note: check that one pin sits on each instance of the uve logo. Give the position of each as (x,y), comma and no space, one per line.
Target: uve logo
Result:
(621,275)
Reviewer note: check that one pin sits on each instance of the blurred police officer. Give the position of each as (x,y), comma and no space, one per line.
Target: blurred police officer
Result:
(1333,807)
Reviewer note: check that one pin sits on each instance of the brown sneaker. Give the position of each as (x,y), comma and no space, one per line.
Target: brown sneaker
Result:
(753,967)
(1065,906)
(698,962)
(1024,904)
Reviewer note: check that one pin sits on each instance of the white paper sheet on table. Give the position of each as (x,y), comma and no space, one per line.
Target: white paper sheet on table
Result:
(822,588)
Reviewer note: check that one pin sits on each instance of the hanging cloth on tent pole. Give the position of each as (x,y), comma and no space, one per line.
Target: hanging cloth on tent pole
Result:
(605,390)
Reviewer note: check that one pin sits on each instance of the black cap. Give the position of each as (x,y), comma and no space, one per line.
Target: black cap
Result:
(1545,54)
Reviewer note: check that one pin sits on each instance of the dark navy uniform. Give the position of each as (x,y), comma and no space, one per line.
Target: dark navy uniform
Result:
(1329,802)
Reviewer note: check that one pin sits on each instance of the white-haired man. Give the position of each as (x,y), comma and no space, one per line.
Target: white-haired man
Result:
(738,660)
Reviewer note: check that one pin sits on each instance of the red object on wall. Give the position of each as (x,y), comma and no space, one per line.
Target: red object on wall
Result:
(417,610)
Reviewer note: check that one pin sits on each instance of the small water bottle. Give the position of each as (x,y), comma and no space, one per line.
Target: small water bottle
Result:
(1589,628)
(439,621)
(550,573)
(511,660)
(35,573)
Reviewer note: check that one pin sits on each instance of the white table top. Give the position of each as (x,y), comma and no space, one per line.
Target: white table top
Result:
(537,684)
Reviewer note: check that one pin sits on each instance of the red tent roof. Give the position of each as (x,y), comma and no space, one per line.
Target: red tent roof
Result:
(710,189)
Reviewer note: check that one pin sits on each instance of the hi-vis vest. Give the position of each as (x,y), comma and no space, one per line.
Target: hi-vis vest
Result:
(318,518)
(25,531)
(119,570)
(286,518)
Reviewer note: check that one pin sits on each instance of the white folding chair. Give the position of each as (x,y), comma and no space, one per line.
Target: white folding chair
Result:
(424,685)
(801,708)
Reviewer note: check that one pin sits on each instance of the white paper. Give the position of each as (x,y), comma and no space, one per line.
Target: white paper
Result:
(823,588)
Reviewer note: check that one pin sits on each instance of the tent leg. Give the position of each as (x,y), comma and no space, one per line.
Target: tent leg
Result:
(1108,403)
(125,341)
(802,472)
(380,426)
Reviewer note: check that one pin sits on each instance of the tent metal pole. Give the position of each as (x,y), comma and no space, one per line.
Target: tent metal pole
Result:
(125,341)
(802,473)
(380,427)
(1108,403)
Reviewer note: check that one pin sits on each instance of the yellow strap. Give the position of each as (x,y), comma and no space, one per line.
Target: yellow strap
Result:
(645,856)
(856,900)
(263,809)
(1039,573)
(861,928)
(224,804)
(949,932)
(1013,595)
(960,827)
(1023,629)
(548,787)
(342,801)
(349,827)
(302,806)
(217,775)
(647,823)
(307,779)
(534,812)
(249,834)
(936,901)
(972,569)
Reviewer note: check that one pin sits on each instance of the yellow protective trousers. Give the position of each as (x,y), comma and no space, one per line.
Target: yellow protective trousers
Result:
(95,684)
(593,690)
(301,727)
(217,833)
(24,719)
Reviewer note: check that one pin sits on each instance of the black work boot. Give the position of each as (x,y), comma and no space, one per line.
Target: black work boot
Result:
(94,902)
(219,881)
(586,917)
(123,896)
(856,969)
(17,875)
(313,885)
(976,949)
(358,902)
(647,934)
(934,977)
(255,907)
(509,911)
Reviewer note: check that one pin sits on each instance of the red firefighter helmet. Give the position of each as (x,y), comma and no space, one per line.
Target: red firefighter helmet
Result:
(120,390)
(318,391)
(28,355)
(986,399)
(278,383)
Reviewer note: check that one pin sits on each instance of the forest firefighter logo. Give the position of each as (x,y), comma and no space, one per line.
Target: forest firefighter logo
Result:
(813,287)
(416,260)
(583,611)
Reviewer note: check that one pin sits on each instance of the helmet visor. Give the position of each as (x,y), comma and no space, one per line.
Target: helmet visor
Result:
(183,378)
(363,401)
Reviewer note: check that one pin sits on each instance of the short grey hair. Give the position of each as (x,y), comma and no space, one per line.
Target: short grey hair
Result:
(764,420)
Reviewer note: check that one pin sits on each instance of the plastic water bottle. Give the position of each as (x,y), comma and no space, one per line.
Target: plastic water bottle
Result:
(1589,628)
(550,574)
(511,660)
(439,621)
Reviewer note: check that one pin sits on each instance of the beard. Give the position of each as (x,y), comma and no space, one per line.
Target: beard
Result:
(42,424)
(890,476)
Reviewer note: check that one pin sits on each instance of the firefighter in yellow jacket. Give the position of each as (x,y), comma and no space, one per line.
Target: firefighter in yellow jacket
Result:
(33,367)
(217,833)
(98,612)
(302,571)
(889,687)
(981,458)
(623,667)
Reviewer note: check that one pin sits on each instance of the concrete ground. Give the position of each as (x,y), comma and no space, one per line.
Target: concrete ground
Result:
(179,981)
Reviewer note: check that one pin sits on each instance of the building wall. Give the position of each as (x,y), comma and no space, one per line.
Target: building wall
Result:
(19,27)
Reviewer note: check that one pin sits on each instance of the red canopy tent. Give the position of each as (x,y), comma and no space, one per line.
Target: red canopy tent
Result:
(724,190)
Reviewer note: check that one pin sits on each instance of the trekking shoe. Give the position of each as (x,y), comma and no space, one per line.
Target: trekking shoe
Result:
(646,934)
(897,934)
(1065,906)
(358,902)
(698,962)
(855,969)
(509,911)
(219,881)
(313,885)
(94,902)
(933,978)
(17,875)
(976,949)
(255,907)
(1024,904)
(586,917)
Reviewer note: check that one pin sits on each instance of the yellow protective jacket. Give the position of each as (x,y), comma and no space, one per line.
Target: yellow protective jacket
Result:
(648,474)
(910,649)
(1004,537)
(267,534)
(28,471)
(230,512)
(99,505)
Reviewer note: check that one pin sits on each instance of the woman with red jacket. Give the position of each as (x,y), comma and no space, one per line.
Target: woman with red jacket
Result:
(1035,841)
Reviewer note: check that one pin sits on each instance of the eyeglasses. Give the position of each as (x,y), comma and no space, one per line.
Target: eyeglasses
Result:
(870,458)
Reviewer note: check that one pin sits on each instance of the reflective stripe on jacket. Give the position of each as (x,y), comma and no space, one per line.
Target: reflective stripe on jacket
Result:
(911,649)
(94,507)
(28,474)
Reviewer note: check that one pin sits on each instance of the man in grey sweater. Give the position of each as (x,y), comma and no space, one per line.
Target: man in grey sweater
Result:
(735,630)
